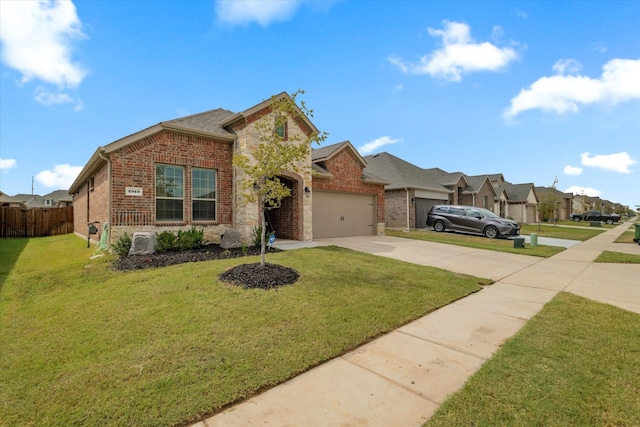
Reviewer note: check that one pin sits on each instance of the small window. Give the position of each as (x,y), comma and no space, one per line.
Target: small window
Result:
(48,202)
(281,127)
(204,194)
(169,192)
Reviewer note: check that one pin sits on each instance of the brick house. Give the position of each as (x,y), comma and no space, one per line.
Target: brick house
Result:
(412,191)
(522,200)
(178,174)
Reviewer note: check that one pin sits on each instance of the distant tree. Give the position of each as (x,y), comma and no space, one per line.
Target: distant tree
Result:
(278,151)
(548,206)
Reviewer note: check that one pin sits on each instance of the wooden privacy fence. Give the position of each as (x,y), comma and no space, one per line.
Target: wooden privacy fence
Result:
(35,222)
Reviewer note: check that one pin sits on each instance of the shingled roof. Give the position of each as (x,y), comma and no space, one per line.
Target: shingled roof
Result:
(401,174)
(207,121)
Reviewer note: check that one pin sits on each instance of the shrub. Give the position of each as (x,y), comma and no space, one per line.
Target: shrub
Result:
(122,245)
(257,239)
(166,241)
(190,239)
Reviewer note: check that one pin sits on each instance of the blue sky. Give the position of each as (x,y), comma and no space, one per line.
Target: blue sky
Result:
(533,90)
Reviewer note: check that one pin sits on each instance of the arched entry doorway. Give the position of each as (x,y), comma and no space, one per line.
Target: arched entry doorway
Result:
(286,220)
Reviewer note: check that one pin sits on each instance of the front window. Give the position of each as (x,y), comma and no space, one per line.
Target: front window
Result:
(169,192)
(204,194)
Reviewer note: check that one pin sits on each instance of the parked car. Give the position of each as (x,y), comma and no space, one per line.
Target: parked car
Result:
(471,219)
(595,216)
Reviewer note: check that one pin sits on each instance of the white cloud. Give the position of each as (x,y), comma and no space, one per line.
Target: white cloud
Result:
(45,97)
(264,12)
(600,47)
(573,170)
(377,143)
(36,38)
(8,163)
(620,81)
(567,66)
(618,162)
(62,176)
(458,55)
(583,191)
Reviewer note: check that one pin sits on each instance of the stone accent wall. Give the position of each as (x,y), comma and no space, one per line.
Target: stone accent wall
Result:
(247,218)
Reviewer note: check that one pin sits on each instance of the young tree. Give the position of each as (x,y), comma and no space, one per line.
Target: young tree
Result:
(278,151)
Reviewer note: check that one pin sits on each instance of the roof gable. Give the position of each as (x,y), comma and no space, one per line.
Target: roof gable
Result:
(325,153)
(247,114)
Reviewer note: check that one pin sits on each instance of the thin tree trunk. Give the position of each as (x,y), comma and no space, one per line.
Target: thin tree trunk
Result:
(263,239)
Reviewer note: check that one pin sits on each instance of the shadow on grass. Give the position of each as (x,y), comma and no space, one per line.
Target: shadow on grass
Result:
(10,250)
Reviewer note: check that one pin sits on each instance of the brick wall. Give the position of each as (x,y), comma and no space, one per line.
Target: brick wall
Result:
(477,200)
(134,166)
(90,203)
(396,209)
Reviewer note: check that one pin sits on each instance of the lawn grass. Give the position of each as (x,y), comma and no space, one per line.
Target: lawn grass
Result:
(85,345)
(575,363)
(617,258)
(559,232)
(479,242)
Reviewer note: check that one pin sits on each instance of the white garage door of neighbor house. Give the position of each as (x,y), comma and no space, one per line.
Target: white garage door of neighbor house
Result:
(343,214)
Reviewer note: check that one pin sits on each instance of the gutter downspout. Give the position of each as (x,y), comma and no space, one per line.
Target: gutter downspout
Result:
(407,190)
(101,152)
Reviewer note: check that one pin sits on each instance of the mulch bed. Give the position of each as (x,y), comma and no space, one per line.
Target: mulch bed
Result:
(246,275)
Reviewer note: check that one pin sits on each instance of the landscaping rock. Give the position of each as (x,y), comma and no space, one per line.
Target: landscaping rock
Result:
(231,239)
(143,243)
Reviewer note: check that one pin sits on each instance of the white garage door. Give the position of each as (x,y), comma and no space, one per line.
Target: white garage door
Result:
(343,214)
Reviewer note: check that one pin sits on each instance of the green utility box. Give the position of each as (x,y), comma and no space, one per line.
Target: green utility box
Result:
(637,236)
(518,242)
(533,240)
(595,224)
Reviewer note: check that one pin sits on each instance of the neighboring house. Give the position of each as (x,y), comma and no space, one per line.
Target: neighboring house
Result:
(178,174)
(479,192)
(411,191)
(11,201)
(347,200)
(522,201)
(415,190)
(55,199)
(565,200)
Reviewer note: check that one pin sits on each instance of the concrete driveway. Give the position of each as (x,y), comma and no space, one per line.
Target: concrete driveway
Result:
(477,262)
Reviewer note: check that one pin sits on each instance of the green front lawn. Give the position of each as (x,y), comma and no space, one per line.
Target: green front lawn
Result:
(82,344)
(618,258)
(559,232)
(479,242)
(576,363)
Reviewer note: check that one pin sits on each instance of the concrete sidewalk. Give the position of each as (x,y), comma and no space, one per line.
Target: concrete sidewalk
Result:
(401,378)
